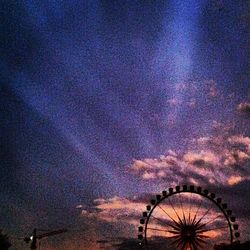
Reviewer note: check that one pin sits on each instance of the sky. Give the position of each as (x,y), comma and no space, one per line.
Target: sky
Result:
(105,103)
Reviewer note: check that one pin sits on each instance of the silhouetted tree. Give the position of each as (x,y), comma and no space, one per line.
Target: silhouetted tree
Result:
(4,241)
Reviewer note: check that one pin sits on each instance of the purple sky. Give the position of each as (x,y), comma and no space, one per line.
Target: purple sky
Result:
(105,102)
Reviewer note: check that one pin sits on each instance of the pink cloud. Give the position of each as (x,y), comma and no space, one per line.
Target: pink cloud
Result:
(213,159)
(233,180)
(204,158)
(148,175)
(240,140)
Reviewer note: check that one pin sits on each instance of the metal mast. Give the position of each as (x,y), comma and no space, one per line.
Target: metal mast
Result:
(34,237)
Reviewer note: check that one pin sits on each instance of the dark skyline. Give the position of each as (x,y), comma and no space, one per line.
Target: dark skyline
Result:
(104,103)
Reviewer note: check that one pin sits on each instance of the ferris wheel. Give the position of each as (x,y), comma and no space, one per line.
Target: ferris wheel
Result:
(186,218)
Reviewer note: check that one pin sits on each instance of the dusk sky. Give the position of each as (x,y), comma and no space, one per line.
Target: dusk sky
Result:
(105,103)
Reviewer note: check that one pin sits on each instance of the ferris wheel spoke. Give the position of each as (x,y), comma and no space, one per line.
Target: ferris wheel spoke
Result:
(168,215)
(180,221)
(182,243)
(162,221)
(209,222)
(165,223)
(205,214)
(183,247)
(200,243)
(196,213)
(177,242)
(157,229)
(203,237)
(190,205)
(193,246)
(164,230)
(211,229)
(183,214)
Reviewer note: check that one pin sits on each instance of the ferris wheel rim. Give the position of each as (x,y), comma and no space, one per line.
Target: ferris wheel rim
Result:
(233,228)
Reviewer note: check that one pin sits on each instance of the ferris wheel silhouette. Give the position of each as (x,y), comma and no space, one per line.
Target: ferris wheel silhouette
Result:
(186,218)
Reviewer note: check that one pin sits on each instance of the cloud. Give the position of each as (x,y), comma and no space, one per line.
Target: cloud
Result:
(116,209)
(157,163)
(202,158)
(233,180)
(244,108)
(164,167)
(240,141)
(212,160)
(203,140)
(212,88)
(191,95)
(148,175)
